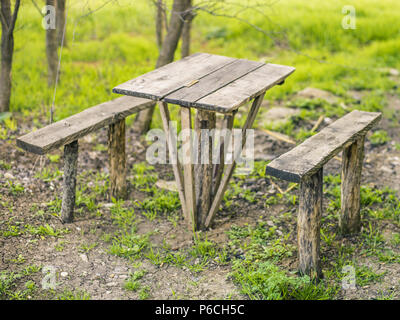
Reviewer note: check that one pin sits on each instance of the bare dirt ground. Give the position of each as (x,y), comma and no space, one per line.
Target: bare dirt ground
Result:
(103,275)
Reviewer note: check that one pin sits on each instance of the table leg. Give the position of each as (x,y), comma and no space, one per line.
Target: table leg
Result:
(176,166)
(225,136)
(188,166)
(230,168)
(204,125)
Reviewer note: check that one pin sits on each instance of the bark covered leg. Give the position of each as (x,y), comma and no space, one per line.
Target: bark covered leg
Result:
(353,156)
(308,225)
(116,149)
(204,125)
(69,183)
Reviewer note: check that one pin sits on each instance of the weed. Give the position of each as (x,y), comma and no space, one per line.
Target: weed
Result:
(379,137)
(69,294)
(133,284)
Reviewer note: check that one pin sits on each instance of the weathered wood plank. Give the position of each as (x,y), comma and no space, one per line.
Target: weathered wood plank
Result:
(69,181)
(242,90)
(212,82)
(349,218)
(70,129)
(160,82)
(173,155)
(228,171)
(188,167)
(117,159)
(308,225)
(308,157)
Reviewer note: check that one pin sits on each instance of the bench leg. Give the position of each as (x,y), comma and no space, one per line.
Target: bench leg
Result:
(69,183)
(116,152)
(308,225)
(353,156)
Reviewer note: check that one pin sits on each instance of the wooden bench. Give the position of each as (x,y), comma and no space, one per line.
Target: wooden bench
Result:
(304,164)
(66,133)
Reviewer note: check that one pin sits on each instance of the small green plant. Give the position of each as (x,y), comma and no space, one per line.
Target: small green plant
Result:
(379,137)
(4,165)
(54,158)
(84,247)
(69,294)
(48,174)
(45,230)
(133,284)
(144,293)
(15,188)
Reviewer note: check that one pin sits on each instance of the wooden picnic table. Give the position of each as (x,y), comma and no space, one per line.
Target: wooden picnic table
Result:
(211,84)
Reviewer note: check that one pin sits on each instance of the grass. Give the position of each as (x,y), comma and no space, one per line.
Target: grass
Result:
(323,53)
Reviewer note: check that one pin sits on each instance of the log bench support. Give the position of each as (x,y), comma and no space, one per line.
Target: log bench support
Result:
(69,181)
(308,224)
(304,164)
(349,218)
(117,158)
(67,132)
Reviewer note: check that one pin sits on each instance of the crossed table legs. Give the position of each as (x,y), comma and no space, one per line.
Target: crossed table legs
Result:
(202,184)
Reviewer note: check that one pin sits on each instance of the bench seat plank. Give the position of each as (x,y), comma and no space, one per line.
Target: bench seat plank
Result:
(308,157)
(72,128)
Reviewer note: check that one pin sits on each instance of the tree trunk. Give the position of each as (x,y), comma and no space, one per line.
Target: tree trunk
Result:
(7,49)
(143,118)
(51,50)
(60,21)
(159,23)
(187,25)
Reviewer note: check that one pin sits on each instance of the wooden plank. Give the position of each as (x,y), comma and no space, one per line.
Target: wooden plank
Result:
(188,167)
(69,181)
(308,157)
(231,167)
(211,83)
(244,89)
(349,218)
(70,129)
(308,225)
(160,82)
(165,117)
(117,160)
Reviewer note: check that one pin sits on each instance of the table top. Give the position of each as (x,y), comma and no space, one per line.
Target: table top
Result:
(206,81)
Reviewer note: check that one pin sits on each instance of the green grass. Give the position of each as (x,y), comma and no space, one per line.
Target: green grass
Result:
(117,43)
(379,137)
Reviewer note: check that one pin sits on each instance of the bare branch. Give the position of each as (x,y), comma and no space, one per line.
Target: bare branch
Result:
(14,16)
(87,14)
(37,7)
